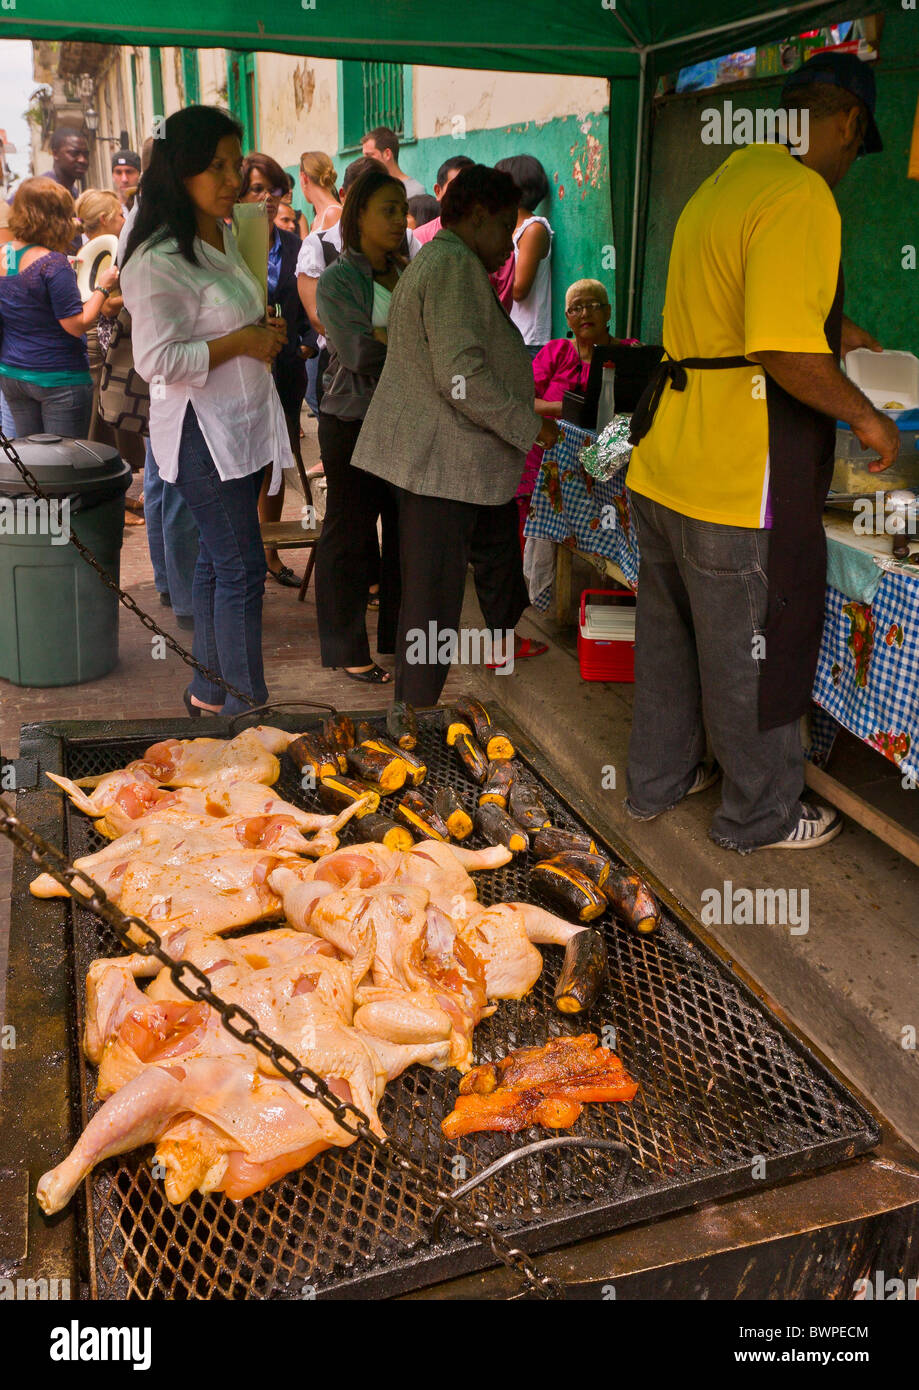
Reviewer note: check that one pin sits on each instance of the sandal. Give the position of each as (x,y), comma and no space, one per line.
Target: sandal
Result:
(523,647)
(375,676)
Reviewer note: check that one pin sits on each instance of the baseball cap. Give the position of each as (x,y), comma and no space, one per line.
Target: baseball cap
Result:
(846,71)
(126,157)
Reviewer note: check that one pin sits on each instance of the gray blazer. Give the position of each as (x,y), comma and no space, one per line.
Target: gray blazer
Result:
(453,413)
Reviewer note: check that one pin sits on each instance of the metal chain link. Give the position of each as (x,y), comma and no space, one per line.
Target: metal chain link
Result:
(351,1119)
(129,603)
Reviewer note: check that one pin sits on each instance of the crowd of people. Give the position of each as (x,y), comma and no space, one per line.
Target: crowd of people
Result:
(418,328)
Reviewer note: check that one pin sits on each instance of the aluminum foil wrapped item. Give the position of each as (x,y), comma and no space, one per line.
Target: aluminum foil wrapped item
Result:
(610,451)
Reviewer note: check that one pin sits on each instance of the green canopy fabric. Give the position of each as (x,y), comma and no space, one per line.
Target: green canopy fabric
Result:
(581,37)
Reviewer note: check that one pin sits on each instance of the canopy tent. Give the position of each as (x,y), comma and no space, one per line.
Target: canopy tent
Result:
(631,42)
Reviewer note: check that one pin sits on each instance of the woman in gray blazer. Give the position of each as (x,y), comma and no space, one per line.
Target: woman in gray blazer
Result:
(449,427)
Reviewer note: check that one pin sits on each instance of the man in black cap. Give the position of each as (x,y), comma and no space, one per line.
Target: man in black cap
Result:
(733,460)
(126,176)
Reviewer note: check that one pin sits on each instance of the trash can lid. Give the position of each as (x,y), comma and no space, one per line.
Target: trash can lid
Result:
(64,467)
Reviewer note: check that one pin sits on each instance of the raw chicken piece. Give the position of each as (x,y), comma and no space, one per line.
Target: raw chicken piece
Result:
(195,762)
(223,1118)
(215,805)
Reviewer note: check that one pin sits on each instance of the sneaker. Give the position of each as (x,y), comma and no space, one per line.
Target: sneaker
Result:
(706,775)
(817,825)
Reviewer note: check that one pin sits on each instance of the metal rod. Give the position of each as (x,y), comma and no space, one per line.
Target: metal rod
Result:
(636,192)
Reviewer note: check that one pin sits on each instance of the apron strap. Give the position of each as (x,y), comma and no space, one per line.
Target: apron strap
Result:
(673,370)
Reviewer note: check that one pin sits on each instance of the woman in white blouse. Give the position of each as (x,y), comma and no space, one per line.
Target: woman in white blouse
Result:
(201,340)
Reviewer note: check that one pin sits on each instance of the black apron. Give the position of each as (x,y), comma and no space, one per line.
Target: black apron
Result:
(801,451)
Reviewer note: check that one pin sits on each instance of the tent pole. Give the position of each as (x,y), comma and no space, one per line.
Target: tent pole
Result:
(733,25)
(636,192)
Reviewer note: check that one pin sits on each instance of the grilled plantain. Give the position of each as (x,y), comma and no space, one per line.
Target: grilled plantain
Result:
(632,900)
(365,732)
(475,713)
(596,867)
(497,785)
(338,732)
(497,744)
(384,770)
(454,725)
(337,793)
(496,826)
(421,816)
(553,840)
(453,813)
(472,758)
(568,891)
(526,806)
(583,972)
(402,725)
(417,768)
(386,831)
(311,752)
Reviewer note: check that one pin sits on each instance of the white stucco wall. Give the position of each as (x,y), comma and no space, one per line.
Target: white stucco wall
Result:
(488,99)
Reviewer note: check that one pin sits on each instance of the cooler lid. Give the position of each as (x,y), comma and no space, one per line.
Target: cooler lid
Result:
(63,467)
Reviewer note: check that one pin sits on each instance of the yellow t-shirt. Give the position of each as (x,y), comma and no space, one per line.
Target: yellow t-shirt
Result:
(753,268)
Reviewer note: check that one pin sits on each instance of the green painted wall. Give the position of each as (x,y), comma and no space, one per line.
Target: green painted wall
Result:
(573,152)
(878,203)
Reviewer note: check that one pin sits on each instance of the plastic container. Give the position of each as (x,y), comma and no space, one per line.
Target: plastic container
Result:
(58,621)
(885,377)
(606,636)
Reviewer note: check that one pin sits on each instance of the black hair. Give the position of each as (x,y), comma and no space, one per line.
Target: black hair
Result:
(529,176)
(456,161)
(186,147)
(424,208)
(355,169)
(61,134)
(492,189)
(359,195)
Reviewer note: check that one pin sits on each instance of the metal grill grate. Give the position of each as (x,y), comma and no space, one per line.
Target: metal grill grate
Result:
(722,1085)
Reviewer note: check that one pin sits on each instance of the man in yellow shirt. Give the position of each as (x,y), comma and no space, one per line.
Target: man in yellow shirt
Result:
(735,443)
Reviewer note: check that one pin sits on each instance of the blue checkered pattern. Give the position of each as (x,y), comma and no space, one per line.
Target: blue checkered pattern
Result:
(571,506)
(884,711)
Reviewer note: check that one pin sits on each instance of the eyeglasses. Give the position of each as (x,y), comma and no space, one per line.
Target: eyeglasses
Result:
(587,306)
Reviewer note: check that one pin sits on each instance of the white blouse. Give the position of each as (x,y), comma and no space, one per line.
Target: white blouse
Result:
(176,309)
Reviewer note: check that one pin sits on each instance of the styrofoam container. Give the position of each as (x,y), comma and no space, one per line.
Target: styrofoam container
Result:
(885,376)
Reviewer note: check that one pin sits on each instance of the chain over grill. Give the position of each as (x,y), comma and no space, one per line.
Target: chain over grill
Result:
(243,1026)
(29,478)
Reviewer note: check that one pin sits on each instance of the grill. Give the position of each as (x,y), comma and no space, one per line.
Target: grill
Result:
(729,1100)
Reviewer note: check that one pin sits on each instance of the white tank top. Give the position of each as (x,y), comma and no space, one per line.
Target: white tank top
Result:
(381,297)
(533,315)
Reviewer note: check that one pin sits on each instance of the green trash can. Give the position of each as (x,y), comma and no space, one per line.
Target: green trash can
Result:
(58,621)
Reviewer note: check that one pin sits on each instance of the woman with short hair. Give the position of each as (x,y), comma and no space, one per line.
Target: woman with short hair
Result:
(201,339)
(449,426)
(532,306)
(44,364)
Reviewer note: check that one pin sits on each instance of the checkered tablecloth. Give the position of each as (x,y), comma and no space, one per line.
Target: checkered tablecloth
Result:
(868,672)
(572,508)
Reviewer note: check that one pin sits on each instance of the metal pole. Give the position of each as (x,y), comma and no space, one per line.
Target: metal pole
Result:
(639,142)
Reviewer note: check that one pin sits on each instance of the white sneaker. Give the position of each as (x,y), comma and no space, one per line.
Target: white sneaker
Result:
(707,774)
(817,825)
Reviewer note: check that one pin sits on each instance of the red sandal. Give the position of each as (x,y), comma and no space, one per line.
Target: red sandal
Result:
(523,647)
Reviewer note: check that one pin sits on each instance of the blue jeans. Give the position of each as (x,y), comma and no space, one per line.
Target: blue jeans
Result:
(7,423)
(229,576)
(35,409)
(172,535)
(701,613)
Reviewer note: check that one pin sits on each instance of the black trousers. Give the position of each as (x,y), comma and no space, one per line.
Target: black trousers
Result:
(348,553)
(438,538)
